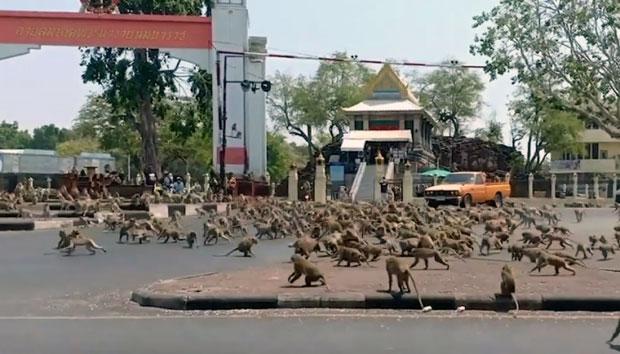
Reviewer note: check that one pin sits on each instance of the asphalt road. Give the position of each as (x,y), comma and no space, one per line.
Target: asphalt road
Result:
(36,280)
(299,334)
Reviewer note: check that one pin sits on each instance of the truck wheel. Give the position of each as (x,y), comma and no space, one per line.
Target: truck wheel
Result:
(467,201)
(499,200)
(433,205)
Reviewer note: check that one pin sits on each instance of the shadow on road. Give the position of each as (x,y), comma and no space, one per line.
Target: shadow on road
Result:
(615,335)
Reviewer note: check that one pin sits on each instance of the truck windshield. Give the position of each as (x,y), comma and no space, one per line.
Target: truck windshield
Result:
(459,178)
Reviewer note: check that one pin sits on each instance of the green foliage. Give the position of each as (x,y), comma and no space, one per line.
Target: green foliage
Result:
(77,146)
(136,81)
(492,132)
(279,156)
(13,138)
(306,107)
(97,120)
(545,129)
(47,137)
(452,94)
(565,51)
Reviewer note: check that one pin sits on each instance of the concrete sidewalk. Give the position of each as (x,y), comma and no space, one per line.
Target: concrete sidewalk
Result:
(473,284)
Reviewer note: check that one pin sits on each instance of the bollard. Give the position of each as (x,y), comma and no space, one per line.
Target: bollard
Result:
(596,188)
(530,186)
(293,183)
(407,184)
(378,176)
(615,186)
(575,184)
(320,181)
(553,184)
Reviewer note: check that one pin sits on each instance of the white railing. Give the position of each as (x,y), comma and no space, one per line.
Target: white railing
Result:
(358,180)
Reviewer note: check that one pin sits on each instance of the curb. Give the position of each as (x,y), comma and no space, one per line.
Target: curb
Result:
(17,225)
(496,303)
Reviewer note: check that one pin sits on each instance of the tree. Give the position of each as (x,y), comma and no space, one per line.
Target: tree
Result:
(546,129)
(136,80)
(97,120)
(565,51)
(452,94)
(279,156)
(77,146)
(47,137)
(13,138)
(305,107)
(491,133)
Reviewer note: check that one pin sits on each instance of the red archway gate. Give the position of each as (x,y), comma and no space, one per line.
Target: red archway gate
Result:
(104,30)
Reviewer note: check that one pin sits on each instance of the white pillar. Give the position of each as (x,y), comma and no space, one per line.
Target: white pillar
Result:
(293,183)
(530,186)
(320,181)
(575,184)
(596,187)
(407,184)
(615,186)
(435,180)
(273,190)
(206,181)
(587,191)
(49,183)
(378,176)
(188,181)
(553,183)
(507,178)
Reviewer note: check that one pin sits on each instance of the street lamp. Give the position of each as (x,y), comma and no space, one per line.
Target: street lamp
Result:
(246,85)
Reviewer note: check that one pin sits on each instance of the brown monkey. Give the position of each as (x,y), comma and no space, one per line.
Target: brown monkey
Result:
(191,239)
(395,267)
(350,255)
(425,254)
(305,246)
(545,259)
(507,286)
(64,240)
(606,249)
(75,239)
(561,239)
(426,242)
(302,266)
(593,240)
(407,246)
(579,214)
(585,249)
(371,252)
(167,234)
(245,246)
(571,260)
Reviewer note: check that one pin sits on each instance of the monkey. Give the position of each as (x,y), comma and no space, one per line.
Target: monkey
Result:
(426,242)
(397,268)
(245,246)
(579,214)
(561,239)
(64,240)
(606,249)
(305,246)
(507,286)
(425,254)
(487,242)
(350,255)
(545,259)
(167,234)
(47,211)
(571,260)
(516,252)
(263,229)
(191,239)
(581,248)
(371,252)
(531,239)
(75,239)
(302,266)
(563,230)
(528,221)
(201,212)
(25,213)
(407,246)
(593,240)
(603,240)
(213,232)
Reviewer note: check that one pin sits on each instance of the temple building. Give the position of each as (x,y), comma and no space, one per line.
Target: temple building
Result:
(390,120)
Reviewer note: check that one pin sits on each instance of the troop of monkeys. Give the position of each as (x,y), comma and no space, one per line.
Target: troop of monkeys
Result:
(344,232)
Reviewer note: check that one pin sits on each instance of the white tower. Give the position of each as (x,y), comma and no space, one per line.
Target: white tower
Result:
(245,128)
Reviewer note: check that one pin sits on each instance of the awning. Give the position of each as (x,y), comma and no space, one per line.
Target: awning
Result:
(352,145)
(380,135)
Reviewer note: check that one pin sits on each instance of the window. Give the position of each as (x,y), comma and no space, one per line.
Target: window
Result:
(358,125)
(591,125)
(592,151)
(479,179)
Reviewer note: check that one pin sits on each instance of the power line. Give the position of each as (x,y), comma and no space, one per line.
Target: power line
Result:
(355,59)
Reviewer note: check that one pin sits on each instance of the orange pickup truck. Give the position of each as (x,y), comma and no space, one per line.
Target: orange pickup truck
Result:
(466,189)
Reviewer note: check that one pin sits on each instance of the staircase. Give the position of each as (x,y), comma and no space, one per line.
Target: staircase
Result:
(367,184)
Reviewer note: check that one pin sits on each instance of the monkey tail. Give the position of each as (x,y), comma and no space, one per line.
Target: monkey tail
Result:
(416,291)
(231,252)
(514,298)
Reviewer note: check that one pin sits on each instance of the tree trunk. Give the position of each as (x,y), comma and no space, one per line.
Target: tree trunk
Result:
(310,147)
(148,133)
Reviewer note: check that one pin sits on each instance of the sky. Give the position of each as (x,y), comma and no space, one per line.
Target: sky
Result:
(45,86)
